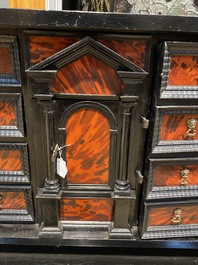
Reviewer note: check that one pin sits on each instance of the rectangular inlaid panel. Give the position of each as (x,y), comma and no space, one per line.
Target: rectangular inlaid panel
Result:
(12,200)
(168,215)
(88,134)
(16,204)
(183,71)
(9,61)
(175,175)
(86,209)
(14,166)
(87,75)
(11,117)
(6,66)
(41,47)
(179,127)
(133,50)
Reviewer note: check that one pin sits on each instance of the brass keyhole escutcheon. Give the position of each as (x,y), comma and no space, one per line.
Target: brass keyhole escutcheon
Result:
(176,219)
(184,176)
(191,125)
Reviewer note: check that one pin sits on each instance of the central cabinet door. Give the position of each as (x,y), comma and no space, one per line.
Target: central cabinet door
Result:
(89,132)
(93,95)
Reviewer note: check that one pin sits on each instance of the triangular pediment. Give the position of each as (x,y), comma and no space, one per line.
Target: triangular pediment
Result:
(81,48)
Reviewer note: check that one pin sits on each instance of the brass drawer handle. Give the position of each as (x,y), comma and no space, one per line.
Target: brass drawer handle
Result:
(191,124)
(184,176)
(176,219)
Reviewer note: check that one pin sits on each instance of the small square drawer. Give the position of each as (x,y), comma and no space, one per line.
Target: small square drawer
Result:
(164,220)
(170,178)
(179,77)
(14,166)
(16,204)
(176,129)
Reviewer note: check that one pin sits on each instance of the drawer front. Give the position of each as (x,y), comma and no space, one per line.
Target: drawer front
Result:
(11,116)
(173,215)
(183,70)
(175,175)
(86,209)
(12,200)
(14,166)
(16,204)
(9,61)
(177,127)
(171,220)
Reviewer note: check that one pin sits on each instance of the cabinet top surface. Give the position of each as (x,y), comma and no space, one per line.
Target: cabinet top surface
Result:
(114,22)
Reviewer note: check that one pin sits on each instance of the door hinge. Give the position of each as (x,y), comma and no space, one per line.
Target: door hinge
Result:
(145,123)
(139,176)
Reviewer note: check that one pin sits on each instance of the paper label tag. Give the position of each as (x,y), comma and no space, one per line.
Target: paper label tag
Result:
(61,169)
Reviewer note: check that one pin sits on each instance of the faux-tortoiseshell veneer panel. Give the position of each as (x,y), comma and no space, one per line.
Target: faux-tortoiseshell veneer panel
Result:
(163,215)
(10,160)
(8,113)
(12,200)
(88,132)
(183,71)
(87,75)
(174,127)
(41,47)
(86,209)
(169,175)
(6,65)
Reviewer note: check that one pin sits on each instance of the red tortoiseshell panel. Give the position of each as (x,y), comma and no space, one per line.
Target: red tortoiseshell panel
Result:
(10,160)
(164,215)
(87,75)
(41,47)
(73,209)
(183,71)
(169,175)
(174,127)
(5,61)
(12,200)
(88,132)
(7,114)
(133,50)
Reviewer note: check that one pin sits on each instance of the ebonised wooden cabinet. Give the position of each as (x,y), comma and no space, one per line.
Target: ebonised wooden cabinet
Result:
(116,99)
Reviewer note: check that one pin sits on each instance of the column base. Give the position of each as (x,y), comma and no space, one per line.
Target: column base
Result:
(50,232)
(120,233)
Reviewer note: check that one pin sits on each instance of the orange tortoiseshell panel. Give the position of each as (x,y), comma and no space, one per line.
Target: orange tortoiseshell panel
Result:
(133,50)
(183,71)
(5,61)
(41,47)
(88,132)
(164,215)
(10,160)
(87,75)
(174,127)
(12,200)
(169,175)
(73,209)
(7,114)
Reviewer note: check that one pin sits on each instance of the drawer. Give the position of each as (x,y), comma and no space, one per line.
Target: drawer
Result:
(169,178)
(11,115)
(9,61)
(176,129)
(16,204)
(170,220)
(86,209)
(14,166)
(179,77)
